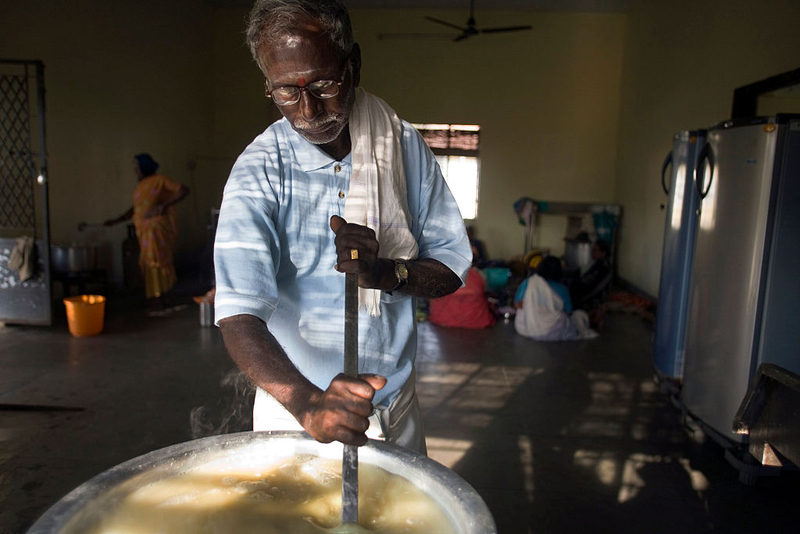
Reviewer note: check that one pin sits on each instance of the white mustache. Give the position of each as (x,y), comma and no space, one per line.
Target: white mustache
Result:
(303,125)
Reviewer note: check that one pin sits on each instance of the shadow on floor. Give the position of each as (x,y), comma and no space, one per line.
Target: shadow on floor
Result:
(561,437)
(577,437)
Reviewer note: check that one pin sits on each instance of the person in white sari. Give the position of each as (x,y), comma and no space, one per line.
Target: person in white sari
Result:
(543,308)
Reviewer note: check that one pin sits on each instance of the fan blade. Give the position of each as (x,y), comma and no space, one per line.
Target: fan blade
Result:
(432,36)
(438,21)
(506,29)
(469,32)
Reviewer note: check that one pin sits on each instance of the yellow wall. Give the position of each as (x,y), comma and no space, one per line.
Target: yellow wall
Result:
(175,79)
(683,59)
(582,108)
(241,111)
(547,102)
(121,78)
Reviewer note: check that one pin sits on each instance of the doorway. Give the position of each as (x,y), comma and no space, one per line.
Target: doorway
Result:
(24,224)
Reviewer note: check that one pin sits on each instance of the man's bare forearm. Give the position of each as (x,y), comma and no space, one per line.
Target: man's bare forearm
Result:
(427,278)
(339,413)
(357,251)
(259,355)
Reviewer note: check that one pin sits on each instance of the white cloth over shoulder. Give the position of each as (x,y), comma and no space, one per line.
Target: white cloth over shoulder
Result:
(542,316)
(377,196)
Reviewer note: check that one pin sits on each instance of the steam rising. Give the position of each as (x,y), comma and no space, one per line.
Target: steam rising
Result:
(232,412)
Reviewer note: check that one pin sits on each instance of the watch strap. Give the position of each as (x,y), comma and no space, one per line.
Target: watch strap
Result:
(401,273)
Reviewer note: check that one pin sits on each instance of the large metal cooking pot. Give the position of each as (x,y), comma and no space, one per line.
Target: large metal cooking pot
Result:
(75,512)
(74,258)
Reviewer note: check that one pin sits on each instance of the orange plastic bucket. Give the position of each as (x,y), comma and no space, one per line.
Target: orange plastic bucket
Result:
(85,314)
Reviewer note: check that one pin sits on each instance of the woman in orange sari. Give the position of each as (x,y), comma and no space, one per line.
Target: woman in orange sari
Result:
(153,215)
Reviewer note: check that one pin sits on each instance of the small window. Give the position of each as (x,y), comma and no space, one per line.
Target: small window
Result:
(456,147)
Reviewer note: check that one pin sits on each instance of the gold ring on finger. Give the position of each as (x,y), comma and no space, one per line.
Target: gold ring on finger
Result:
(353,253)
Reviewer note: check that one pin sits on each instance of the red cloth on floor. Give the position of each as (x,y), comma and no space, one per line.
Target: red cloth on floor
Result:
(466,308)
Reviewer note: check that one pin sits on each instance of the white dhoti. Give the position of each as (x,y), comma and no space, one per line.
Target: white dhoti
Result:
(400,423)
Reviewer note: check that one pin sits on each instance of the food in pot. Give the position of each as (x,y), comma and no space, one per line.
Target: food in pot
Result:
(298,495)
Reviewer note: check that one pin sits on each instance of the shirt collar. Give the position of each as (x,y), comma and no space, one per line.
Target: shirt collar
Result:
(310,156)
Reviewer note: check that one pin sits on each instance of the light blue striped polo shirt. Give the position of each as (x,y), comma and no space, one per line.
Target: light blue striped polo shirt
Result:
(274,253)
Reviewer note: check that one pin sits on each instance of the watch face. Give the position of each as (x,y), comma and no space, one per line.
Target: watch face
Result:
(401,271)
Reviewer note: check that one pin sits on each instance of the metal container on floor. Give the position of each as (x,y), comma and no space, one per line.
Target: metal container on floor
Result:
(206,314)
(74,258)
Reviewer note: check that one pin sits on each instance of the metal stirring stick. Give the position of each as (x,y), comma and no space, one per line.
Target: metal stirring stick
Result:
(350,454)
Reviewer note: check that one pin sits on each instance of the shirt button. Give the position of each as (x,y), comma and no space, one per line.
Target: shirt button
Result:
(341,194)
(337,168)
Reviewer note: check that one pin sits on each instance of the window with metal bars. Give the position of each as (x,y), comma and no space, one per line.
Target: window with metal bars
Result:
(456,147)
(17,207)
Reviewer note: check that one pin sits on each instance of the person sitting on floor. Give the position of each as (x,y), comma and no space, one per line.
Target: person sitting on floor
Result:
(590,292)
(468,307)
(478,250)
(543,307)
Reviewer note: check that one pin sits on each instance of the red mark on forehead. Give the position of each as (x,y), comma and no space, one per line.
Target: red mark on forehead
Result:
(301,81)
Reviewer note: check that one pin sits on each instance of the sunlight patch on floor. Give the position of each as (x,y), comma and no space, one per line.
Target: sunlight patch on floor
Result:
(469,387)
(438,381)
(607,414)
(526,462)
(699,480)
(447,452)
(468,397)
(606,467)
(445,373)
(604,464)
(618,408)
(632,482)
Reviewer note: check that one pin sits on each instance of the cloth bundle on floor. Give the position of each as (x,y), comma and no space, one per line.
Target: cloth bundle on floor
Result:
(23,257)
(468,307)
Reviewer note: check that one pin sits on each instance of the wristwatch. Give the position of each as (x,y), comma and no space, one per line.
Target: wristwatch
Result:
(401,273)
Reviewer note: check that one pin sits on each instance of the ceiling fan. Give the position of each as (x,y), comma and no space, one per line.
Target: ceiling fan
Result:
(466,31)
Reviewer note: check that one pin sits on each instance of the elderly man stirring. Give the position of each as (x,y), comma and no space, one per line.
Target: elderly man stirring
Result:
(339,185)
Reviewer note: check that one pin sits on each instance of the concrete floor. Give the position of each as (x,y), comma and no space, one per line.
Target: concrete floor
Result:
(563,437)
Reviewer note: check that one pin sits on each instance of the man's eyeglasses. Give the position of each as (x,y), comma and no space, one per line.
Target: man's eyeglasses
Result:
(290,94)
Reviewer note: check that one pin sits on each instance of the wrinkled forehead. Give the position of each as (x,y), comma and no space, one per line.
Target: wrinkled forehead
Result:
(303,35)
(300,56)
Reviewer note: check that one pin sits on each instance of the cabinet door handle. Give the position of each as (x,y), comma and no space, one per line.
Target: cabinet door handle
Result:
(667,163)
(706,155)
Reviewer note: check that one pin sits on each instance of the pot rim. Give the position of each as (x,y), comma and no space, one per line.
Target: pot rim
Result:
(461,503)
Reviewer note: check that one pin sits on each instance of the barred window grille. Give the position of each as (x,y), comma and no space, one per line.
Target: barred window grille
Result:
(17,166)
(451,139)
(457,149)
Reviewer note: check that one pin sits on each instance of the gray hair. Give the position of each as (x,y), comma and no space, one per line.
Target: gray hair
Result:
(271,20)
